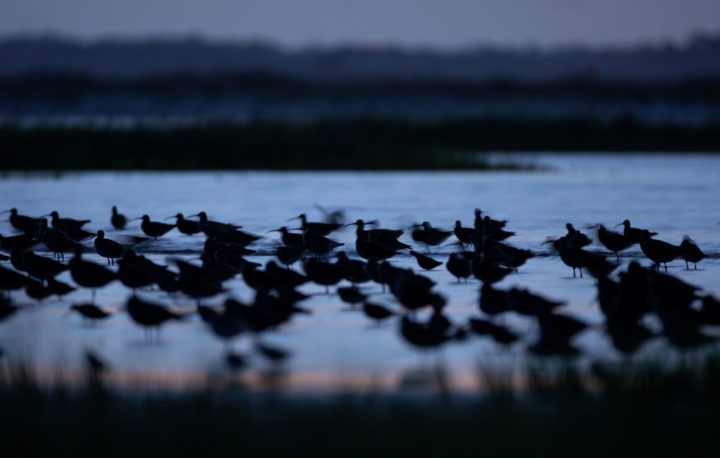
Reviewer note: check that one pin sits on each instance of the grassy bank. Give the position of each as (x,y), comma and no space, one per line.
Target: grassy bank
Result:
(617,410)
(351,144)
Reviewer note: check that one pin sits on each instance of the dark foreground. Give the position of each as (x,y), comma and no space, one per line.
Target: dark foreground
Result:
(606,411)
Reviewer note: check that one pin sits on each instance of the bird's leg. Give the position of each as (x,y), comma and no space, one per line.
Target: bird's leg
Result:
(687,266)
(581,274)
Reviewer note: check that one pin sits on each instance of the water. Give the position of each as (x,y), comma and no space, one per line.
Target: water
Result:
(336,349)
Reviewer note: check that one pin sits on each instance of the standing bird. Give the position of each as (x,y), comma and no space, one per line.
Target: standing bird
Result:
(148,314)
(186,226)
(88,274)
(118,220)
(377,312)
(153,229)
(316,228)
(22,242)
(66,224)
(214,228)
(690,252)
(23,223)
(425,262)
(41,267)
(426,234)
(289,238)
(460,265)
(107,248)
(466,235)
(575,238)
(613,241)
(635,234)
(658,251)
(11,280)
(90,311)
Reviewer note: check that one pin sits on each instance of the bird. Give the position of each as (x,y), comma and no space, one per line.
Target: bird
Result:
(213,228)
(323,273)
(354,270)
(613,241)
(427,235)
(23,223)
(290,238)
(153,229)
(107,248)
(460,265)
(56,241)
(41,267)
(22,241)
(118,220)
(351,295)
(498,333)
(37,290)
(425,262)
(575,238)
(149,314)
(690,252)
(289,254)
(377,312)
(186,226)
(466,235)
(373,251)
(66,224)
(91,311)
(635,234)
(11,280)
(88,274)
(315,227)
(659,251)
(271,353)
(319,245)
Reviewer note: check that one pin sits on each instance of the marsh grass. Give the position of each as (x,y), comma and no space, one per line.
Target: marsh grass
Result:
(561,410)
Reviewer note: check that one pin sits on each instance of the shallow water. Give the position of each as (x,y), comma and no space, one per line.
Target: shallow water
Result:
(335,348)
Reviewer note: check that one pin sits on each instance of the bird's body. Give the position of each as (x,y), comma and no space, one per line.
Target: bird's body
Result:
(659,251)
(109,249)
(154,229)
(187,226)
(377,312)
(66,224)
(118,220)
(149,314)
(613,241)
(425,262)
(690,252)
(24,223)
(428,235)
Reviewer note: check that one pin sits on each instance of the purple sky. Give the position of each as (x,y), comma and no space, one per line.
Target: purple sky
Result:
(437,23)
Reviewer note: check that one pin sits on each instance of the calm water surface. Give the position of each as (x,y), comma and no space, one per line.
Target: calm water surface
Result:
(335,348)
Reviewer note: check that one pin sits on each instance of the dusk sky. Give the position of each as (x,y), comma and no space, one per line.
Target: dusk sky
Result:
(436,23)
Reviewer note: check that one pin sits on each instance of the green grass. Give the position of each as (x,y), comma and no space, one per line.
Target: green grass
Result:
(350,144)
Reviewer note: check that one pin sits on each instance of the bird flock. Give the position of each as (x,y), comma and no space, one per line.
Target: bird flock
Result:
(626,296)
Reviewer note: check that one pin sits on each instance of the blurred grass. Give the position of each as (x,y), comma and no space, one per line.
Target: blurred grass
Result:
(614,409)
(348,144)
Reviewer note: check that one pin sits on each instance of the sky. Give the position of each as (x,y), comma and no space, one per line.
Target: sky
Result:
(426,23)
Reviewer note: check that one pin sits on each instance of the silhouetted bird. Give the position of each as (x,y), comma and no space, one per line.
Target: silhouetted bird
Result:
(56,241)
(466,235)
(635,234)
(613,241)
(494,301)
(499,334)
(487,223)
(690,252)
(575,238)
(148,314)
(319,245)
(316,228)
(351,295)
(289,254)
(377,234)
(37,290)
(488,272)
(526,303)
(11,280)
(427,235)
(504,254)
(354,270)
(271,353)
(323,273)
(41,267)
(58,288)
(91,311)
(658,251)
(377,312)
(89,274)
(118,220)
(429,334)
(290,238)
(153,229)
(373,251)
(23,223)
(107,248)
(425,262)
(556,331)
(186,226)
(214,228)
(22,242)
(460,265)
(66,224)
